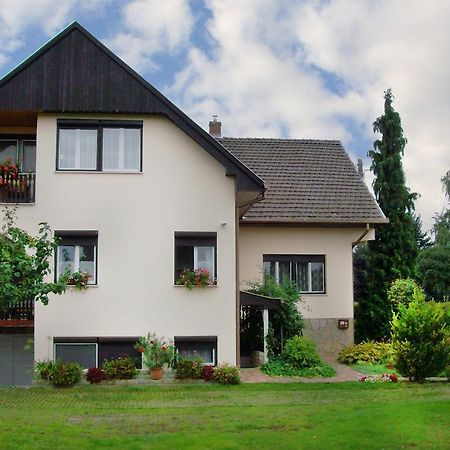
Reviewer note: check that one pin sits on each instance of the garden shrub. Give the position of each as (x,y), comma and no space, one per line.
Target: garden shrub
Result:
(65,374)
(225,374)
(95,375)
(299,358)
(402,291)
(121,368)
(367,352)
(208,373)
(420,339)
(277,366)
(189,368)
(301,351)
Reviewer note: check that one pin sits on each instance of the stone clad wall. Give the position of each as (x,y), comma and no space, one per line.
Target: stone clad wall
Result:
(329,338)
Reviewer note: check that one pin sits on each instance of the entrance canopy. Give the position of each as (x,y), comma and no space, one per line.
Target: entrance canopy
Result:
(260,301)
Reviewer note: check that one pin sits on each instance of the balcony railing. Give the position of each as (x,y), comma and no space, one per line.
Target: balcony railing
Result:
(17,189)
(19,314)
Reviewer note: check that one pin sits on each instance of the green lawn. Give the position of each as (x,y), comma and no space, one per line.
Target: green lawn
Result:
(264,416)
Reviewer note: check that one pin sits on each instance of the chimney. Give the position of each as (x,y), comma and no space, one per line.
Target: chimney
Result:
(360,169)
(215,128)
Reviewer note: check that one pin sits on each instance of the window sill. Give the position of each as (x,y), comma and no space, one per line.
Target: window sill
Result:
(314,294)
(71,286)
(196,287)
(114,172)
(20,204)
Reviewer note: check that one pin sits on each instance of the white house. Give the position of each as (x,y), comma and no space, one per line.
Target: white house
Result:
(136,192)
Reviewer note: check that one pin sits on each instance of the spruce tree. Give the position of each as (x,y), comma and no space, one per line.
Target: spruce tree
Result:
(393,253)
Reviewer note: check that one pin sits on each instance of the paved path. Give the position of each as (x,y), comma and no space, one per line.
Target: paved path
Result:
(343,373)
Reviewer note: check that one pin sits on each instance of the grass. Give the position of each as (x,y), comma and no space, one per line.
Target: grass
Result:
(372,369)
(262,416)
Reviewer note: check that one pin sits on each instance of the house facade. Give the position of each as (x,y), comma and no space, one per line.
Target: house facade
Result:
(137,192)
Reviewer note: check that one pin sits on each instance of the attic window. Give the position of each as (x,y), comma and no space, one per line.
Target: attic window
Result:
(99,146)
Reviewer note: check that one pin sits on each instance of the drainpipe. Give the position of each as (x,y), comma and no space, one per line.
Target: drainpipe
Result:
(362,236)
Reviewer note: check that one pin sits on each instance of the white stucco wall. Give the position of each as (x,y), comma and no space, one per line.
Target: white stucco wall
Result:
(334,243)
(182,188)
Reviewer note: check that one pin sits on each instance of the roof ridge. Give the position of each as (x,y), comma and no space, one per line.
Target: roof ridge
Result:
(336,141)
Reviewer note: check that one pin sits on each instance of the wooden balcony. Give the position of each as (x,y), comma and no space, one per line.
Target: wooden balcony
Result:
(18,189)
(20,315)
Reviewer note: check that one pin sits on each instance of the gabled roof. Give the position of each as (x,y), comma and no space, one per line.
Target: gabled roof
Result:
(307,181)
(74,72)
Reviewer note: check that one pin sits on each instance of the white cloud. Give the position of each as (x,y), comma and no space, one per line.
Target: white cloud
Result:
(18,16)
(267,75)
(152,26)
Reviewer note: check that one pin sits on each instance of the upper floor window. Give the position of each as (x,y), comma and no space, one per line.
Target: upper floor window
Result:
(195,251)
(77,252)
(307,271)
(20,150)
(100,145)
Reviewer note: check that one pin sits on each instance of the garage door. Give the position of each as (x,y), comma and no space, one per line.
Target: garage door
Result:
(16,363)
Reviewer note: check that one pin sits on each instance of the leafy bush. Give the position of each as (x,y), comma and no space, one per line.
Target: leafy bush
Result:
(65,374)
(368,352)
(121,368)
(225,374)
(208,373)
(420,339)
(287,318)
(189,368)
(402,292)
(95,375)
(301,351)
(433,268)
(278,366)
(157,351)
(44,368)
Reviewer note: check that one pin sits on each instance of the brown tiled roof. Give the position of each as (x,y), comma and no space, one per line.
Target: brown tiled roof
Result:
(307,181)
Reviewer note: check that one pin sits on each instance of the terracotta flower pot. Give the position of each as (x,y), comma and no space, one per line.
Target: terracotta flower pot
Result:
(156,373)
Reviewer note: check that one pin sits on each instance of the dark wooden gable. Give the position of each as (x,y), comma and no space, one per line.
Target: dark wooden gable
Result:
(74,72)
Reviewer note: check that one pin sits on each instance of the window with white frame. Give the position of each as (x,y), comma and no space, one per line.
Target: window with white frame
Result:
(196,251)
(100,145)
(307,271)
(77,252)
(197,347)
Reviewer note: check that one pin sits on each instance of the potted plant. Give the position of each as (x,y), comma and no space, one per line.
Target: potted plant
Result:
(79,280)
(157,352)
(44,368)
(194,278)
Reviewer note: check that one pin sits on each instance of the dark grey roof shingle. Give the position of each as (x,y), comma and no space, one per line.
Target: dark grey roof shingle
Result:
(307,181)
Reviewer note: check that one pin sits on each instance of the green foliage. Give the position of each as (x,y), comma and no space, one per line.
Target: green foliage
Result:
(402,292)
(194,278)
(44,368)
(441,227)
(79,280)
(121,368)
(300,351)
(422,238)
(65,374)
(287,319)
(157,351)
(433,269)
(277,366)
(189,368)
(393,253)
(24,263)
(367,352)
(420,339)
(299,358)
(225,374)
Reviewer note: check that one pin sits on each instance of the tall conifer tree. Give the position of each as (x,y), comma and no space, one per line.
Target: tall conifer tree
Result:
(393,253)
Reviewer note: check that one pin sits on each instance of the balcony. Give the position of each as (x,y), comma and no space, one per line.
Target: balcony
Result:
(20,315)
(17,188)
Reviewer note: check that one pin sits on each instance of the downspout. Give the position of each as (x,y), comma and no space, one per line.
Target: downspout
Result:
(366,231)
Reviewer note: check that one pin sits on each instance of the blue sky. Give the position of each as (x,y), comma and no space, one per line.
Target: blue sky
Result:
(298,69)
